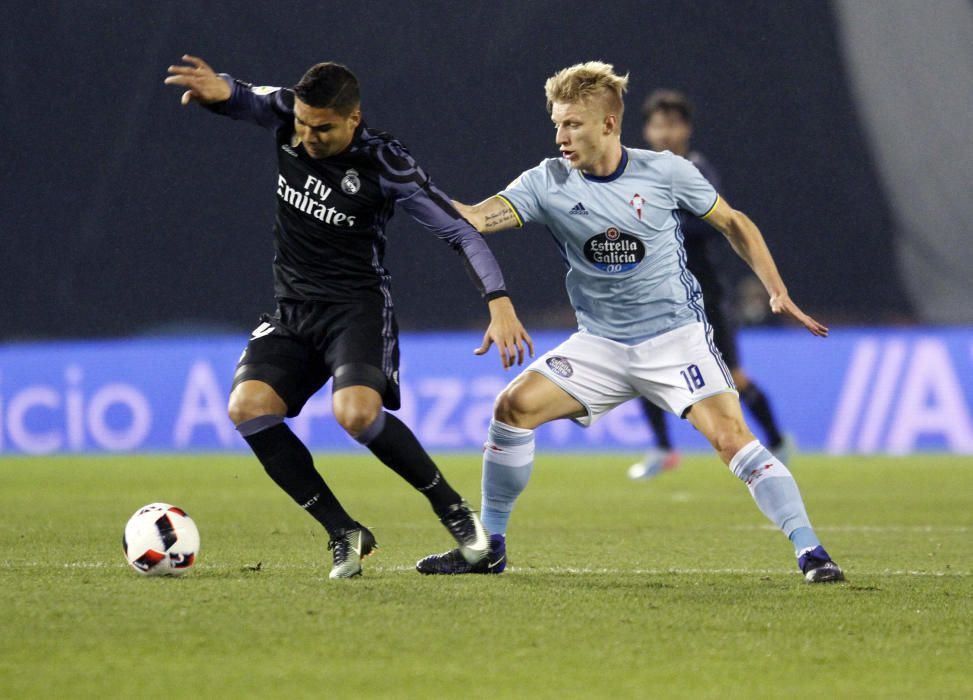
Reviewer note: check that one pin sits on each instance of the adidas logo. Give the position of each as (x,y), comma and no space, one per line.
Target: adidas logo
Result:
(579,209)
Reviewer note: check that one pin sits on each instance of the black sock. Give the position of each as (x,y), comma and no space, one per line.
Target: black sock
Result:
(756,401)
(290,465)
(399,450)
(657,419)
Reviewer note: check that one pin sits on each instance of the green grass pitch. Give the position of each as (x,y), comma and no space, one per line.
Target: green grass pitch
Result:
(672,588)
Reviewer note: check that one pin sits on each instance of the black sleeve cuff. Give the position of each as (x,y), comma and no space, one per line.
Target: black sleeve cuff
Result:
(496,295)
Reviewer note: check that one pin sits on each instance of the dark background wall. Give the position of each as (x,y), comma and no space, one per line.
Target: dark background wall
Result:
(124,213)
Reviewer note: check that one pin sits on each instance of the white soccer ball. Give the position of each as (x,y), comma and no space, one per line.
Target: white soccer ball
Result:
(160,540)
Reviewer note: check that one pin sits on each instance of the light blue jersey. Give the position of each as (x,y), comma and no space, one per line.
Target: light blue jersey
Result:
(619,235)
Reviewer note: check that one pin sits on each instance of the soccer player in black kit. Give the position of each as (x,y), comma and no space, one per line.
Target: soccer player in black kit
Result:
(668,126)
(337,184)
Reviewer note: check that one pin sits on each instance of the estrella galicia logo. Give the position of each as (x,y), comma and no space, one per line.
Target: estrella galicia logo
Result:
(560,366)
(614,251)
(350,184)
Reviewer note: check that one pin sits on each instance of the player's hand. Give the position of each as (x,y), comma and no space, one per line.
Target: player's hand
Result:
(202,82)
(782,304)
(507,332)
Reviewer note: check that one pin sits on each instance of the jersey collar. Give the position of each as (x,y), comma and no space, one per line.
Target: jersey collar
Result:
(356,138)
(615,175)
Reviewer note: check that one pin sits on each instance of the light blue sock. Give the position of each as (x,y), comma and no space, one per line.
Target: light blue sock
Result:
(775,491)
(803,538)
(508,460)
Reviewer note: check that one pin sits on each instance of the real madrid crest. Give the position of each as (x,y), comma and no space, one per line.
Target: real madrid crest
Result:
(350,184)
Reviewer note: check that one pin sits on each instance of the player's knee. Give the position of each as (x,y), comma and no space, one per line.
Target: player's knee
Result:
(513,408)
(355,417)
(730,438)
(247,403)
(242,408)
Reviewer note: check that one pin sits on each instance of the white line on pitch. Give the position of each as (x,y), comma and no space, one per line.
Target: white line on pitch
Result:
(556,570)
(866,528)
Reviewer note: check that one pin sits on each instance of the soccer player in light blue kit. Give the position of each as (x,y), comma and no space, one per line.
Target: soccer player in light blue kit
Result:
(642,328)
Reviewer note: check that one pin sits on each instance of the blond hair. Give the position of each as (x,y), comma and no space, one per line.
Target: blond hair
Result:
(586,81)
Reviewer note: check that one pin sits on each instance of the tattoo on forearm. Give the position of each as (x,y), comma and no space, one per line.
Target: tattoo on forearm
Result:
(498,218)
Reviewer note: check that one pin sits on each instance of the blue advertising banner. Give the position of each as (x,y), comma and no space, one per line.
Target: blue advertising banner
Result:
(859,391)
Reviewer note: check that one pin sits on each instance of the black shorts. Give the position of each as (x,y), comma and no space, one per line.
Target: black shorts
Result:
(721,319)
(305,343)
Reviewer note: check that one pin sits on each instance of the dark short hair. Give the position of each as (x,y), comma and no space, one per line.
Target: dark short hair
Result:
(329,85)
(668,101)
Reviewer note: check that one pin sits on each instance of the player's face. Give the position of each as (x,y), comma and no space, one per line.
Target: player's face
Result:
(668,131)
(584,132)
(322,131)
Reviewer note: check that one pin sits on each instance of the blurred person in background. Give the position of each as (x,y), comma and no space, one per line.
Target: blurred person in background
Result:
(667,125)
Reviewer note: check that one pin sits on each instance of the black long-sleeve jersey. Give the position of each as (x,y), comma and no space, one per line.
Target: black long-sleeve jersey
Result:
(329,231)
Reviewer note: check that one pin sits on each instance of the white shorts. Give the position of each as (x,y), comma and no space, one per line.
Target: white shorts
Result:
(673,370)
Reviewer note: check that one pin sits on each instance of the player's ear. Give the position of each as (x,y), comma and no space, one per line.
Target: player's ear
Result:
(611,123)
(355,117)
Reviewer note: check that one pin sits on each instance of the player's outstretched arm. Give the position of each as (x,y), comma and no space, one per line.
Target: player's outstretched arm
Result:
(202,83)
(506,331)
(430,207)
(750,245)
(490,215)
